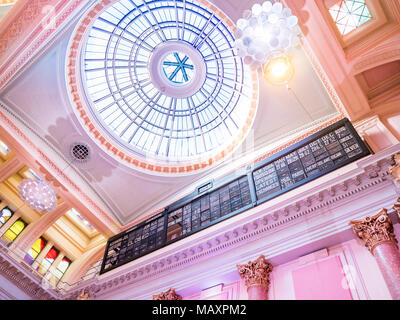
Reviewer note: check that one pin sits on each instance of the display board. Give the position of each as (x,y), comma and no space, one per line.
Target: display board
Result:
(319,154)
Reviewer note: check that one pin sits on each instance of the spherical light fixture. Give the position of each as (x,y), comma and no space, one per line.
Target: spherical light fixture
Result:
(37,195)
(266,31)
(279,70)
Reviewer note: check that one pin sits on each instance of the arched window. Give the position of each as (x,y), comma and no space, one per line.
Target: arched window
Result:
(5,214)
(13,232)
(48,260)
(35,250)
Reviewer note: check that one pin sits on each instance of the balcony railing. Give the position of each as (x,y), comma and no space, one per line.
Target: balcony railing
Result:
(49,279)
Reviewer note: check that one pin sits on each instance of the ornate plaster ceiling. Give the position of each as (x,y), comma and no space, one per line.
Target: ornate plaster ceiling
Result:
(38,99)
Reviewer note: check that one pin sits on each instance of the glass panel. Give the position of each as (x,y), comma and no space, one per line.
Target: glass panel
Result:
(12,233)
(5,214)
(60,270)
(35,250)
(118,81)
(349,14)
(48,260)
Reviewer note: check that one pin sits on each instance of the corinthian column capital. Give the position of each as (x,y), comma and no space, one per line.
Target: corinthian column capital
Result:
(168,295)
(256,273)
(375,230)
(395,169)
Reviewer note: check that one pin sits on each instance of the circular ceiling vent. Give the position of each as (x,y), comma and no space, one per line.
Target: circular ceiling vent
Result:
(159,84)
(80,152)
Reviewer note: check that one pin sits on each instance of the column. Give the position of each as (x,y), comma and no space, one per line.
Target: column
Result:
(9,167)
(167,295)
(37,228)
(377,232)
(256,276)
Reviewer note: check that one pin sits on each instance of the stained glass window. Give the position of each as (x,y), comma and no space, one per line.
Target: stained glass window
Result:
(12,233)
(5,214)
(48,260)
(164,78)
(349,14)
(35,250)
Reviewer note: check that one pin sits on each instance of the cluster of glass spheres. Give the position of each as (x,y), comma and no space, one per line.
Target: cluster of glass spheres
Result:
(37,195)
(267,31)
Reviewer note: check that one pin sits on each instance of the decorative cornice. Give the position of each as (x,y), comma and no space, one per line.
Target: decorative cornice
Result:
(375,230)
(256,272)
(167,295)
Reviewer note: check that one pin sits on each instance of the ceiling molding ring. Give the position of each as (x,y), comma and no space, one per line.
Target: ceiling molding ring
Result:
(162,163)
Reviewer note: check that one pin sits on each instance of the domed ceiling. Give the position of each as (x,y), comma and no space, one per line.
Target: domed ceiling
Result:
(168,99)
(161,82)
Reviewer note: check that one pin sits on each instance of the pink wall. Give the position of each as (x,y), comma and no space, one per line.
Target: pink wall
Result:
(321,280)
(347,271)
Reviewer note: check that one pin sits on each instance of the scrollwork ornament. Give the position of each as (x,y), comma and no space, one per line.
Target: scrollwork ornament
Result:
(395,169)
(167,295)
(374,230)
(256,273)
(83,296)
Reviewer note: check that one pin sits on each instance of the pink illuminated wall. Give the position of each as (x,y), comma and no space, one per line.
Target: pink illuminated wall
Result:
(321,280)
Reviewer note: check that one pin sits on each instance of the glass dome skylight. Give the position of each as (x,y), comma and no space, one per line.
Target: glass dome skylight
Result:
(163,79)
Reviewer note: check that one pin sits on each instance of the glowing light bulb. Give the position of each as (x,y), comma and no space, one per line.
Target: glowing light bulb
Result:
(279,71)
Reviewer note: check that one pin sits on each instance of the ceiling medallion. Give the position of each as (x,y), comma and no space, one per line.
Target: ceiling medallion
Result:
(159,84)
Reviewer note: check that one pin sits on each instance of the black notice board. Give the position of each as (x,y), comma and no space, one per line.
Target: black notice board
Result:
(319,154)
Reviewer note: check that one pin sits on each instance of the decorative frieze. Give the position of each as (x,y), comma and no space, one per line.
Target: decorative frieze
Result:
(167,295)
(256,273)
(374,230)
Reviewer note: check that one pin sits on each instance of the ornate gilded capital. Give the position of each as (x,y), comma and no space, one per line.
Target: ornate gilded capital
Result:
(168,295)
(83,296)
(396,207)
(256,273)
(375,230)
(395,169)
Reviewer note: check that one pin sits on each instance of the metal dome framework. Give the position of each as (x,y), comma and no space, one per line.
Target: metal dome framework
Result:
(177,108)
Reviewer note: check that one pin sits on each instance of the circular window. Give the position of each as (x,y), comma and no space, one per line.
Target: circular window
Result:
(178,68)
(159,83)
